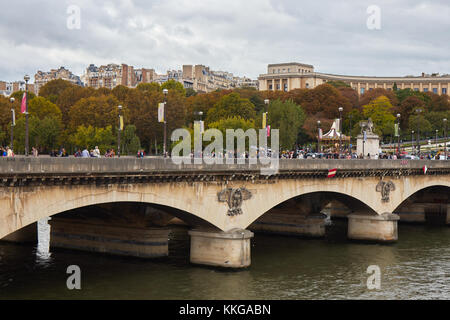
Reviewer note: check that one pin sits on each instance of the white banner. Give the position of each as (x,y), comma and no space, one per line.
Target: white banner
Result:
(161,112)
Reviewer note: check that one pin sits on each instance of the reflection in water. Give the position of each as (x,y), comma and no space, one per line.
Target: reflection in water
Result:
(416,267)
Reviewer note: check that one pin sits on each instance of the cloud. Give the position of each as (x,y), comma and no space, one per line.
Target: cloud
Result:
(237,36)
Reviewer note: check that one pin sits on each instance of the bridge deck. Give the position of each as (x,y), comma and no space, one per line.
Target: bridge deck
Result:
(16,167)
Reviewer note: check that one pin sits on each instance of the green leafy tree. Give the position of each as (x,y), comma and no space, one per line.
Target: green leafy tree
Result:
(405,93)
(380,111)
(151,87)
(229,106)
(419,122)
(90,137)
(288,117)
(231,123)
(190,92)
(173,85)
(44,134)
(130,142)
(42,108)
(436,119)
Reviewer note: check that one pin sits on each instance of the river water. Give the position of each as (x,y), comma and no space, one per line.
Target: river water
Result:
(416,267)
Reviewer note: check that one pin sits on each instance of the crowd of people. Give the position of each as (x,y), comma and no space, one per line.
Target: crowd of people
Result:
(284,154)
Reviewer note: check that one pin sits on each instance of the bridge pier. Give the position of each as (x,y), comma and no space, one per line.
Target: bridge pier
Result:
(221,249)
(379,228)
(118,240)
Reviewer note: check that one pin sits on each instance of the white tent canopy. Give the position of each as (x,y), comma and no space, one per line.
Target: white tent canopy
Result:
(334,133)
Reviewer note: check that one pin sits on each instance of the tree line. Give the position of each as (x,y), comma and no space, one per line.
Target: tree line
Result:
(70,116)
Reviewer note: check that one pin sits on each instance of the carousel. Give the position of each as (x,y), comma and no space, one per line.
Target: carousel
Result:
(330,140)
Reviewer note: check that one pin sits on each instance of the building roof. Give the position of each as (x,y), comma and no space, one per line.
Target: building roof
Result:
(290,64)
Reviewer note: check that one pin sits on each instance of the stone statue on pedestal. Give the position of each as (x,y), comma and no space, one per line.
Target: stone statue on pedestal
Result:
(367,143)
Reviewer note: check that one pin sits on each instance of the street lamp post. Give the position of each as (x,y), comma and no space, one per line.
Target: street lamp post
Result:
(12,123)
(435,140)
(266,103)
(118,131)
(412,141)
(398,133)
(165,91)
(26,78)
(445,136)
(418,131)
(340,130)
(318,136)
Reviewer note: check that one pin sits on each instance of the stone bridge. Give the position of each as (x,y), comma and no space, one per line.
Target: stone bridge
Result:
(219,201)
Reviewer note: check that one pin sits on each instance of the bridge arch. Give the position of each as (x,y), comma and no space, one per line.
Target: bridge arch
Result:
(26,205)
(442,192)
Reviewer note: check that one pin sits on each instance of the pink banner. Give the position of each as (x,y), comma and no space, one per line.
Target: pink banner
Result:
(23,108)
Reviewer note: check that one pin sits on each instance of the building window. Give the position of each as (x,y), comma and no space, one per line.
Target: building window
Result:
(444,90)
(307,85)
(416,89)
(370,89)
(278,87)
(362,90)
(288,69)
(435,90)
(425,89)
(285,87)
(270,87)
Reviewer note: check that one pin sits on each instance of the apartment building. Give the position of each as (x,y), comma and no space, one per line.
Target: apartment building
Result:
(41,77)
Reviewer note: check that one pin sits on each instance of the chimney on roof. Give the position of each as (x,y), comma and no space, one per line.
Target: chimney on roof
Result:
(423,74)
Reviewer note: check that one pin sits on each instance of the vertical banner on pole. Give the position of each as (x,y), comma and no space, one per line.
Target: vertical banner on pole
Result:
(396,130)
(320,133)
(264,119)
(202,127)
(13,118)
(121,123)
(161,112)
(23,106)
(268,131)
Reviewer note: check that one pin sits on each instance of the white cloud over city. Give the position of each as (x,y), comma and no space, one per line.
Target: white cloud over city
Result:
(237,36)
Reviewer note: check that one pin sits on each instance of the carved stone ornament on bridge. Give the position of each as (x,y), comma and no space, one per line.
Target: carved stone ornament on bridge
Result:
(385,188)
(234,198)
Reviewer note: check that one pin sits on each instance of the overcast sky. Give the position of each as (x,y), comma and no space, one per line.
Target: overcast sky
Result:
(236,36)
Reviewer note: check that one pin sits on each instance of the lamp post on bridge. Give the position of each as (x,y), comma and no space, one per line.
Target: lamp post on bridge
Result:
(26,78)
(340,130)
(398,134)
(165,92)
(418,131)
(13,122)
(435,140)
(445,136)
(318,136)
(119,130)
(266,111)
(412,141)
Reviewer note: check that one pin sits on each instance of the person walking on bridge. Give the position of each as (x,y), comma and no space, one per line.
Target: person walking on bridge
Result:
(85,153)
